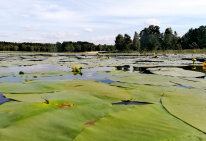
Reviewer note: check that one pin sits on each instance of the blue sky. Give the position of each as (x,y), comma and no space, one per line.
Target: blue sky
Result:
(97,21)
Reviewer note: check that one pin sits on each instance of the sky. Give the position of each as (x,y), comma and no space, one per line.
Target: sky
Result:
(96,21)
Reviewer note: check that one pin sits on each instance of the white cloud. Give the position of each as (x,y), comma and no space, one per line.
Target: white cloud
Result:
(54,12)
(24,16)
(29,27)
(53,7)
(108,17)
(152,22)
(59,35)
(104,40)
(88,30)
(33,39)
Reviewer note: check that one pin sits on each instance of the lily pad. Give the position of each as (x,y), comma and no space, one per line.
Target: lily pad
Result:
(191,82)
(45,74)
(142,123)
(35,122)
(6,74)
(33,87)
(69,91)
(177,72)
(145,93)
(145,79)
(188,105)
(26,97)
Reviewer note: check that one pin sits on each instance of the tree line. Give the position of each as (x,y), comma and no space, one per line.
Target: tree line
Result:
(58,47)
(149,39)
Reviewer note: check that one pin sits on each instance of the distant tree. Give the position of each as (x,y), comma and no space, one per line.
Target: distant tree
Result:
(119,42)
(136,42)
(43,49)
(23,47)
(104,47)
(77,47)
(59,47)
(149,38)
(194,45)
(31,48)
(168,39)
(99,47)
(69,47)
(14,48)
(127,42)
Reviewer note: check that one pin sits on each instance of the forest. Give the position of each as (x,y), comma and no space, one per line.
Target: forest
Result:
(149,39)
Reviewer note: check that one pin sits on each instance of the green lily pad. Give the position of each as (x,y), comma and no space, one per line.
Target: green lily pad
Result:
(35,122)
(33,87)
(145,93)
(45,74)
(6,74)
(177,72)
(145,79)
(138,78)
(191,82)
(142,123)
(188,105)
(76,90)
(26,97)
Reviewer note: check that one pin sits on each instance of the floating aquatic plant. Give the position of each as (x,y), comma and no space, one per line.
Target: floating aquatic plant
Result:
(78,70)
(155,55)
(193,60)
(204,63)
(21,72)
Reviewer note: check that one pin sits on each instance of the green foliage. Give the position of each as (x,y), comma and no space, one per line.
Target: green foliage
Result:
(197,36)
(136,42)
(149,38)
(59,47)
(78,70)
(21,73)
(99,47)
(68,47)
(119,42)
(127,42)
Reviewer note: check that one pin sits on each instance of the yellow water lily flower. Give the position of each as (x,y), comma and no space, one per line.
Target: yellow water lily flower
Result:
(204,63)
(193,60)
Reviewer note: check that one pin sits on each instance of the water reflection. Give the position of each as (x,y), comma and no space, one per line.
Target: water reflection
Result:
(134,69)
(195,68)
(124,68)
(75,74)
(86,74)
